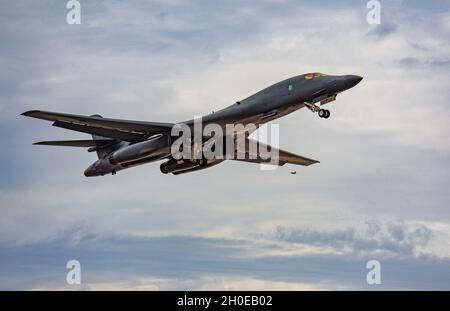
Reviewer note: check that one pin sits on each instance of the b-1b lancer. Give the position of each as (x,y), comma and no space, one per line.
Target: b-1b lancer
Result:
(121,144)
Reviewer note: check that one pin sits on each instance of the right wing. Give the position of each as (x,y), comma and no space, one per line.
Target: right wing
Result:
(258,157)
(125,130)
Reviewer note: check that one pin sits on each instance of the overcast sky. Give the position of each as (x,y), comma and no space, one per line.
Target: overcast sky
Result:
(380,191)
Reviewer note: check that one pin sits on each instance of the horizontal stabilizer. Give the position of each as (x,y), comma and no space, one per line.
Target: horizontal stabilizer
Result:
(75,143)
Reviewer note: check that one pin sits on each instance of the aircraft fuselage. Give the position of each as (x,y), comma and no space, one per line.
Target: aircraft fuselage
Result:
(122,144)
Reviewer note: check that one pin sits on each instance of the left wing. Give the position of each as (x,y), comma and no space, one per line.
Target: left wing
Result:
(76,143)
(126,130)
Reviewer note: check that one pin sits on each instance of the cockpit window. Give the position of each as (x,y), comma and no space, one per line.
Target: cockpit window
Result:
(311,76)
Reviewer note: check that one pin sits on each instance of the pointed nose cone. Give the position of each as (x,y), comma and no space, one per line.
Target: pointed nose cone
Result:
(352,80)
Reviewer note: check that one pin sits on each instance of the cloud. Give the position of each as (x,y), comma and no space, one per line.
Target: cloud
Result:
(411,61)
(382,30)
(207,283)
(384,153)
(390,238)
(193,263)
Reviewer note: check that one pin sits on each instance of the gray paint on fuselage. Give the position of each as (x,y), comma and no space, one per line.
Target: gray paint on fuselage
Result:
(279,97)
(276,97)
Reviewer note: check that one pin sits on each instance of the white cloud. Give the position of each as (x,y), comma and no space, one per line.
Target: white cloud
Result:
(384,152)
(298,259)
(201,284)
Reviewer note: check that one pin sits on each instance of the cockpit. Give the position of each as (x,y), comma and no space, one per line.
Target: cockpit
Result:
(314,75)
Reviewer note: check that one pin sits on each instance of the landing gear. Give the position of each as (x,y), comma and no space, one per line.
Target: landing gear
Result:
(323,113)
(315,107)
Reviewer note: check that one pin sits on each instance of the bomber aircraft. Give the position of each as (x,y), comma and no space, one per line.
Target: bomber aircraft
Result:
(121,144)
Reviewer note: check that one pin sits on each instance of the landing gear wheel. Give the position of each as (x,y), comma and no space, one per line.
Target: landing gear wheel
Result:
(323,113)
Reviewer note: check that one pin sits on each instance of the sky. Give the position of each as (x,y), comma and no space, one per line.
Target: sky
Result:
(380,191)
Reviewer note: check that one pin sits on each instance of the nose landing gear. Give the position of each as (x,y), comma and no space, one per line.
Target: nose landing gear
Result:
(324,113)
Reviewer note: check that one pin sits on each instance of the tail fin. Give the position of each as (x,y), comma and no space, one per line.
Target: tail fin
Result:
(102,149)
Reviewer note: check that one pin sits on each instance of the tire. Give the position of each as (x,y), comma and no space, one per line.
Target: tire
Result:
(322,113)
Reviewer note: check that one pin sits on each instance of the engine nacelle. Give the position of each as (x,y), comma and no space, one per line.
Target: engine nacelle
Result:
(175,166)
(184,166)
(152,148)
(102,167)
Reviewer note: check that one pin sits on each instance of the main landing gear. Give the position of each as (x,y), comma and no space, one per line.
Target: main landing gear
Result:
(324,113)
